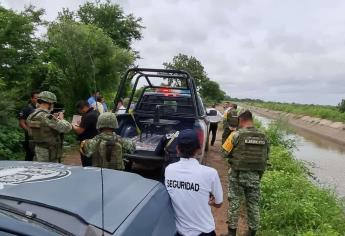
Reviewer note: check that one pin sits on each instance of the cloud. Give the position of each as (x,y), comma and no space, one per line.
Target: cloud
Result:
(275,50)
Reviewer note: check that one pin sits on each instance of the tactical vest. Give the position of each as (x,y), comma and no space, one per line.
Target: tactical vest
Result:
(41,134)
(232,118)
(250,153)
(108,154)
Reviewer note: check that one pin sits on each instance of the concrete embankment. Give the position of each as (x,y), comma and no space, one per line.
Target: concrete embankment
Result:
(332,131)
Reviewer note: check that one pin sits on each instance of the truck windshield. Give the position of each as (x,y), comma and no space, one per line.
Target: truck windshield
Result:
(169,105)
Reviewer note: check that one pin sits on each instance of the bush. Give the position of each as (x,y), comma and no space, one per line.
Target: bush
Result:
(11,138)
(341,106)
(276,133)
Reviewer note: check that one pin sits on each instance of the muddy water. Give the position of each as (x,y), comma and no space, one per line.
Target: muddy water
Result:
(326,159)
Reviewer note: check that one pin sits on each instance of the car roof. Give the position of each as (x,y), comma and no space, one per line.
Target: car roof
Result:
(76,190)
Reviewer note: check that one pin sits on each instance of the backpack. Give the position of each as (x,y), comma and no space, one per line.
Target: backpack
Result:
(108,154)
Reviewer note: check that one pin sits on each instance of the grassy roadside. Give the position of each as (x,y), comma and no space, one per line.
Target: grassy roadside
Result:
(291,204)
(324,112)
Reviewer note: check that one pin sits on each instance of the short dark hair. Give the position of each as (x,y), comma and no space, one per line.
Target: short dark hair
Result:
(99,99)
(33,93)
(81,104)
(187,150)
(246,115)
(234,105)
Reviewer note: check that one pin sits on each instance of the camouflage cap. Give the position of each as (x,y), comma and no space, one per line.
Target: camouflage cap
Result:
(107,120)
(47,96)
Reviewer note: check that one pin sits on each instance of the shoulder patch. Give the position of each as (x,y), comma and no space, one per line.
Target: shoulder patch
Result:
(228,144)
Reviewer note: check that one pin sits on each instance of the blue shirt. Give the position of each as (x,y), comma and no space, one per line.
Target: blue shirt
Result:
(91,100)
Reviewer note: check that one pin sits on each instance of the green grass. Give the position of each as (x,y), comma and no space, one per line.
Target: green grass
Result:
(324,112)
(291,203)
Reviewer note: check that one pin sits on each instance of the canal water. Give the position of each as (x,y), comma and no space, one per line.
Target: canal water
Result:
(325,159)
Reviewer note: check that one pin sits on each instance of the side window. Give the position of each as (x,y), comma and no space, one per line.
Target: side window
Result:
(201,107)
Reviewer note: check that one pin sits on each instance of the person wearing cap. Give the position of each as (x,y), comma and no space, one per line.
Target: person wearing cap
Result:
(230,121)
(193,188)
(45,129)
(247,151)
(106,149)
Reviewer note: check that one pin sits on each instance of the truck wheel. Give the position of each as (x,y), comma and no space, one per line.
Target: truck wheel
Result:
(128,165)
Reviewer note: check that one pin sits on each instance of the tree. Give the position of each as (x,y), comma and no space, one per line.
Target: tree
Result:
(19,53)
(208,89)
(121,28)
(190,64)
(82,58)
(18,45)
(211,92)
(341,105)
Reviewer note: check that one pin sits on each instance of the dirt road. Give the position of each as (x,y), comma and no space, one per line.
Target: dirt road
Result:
(214,160)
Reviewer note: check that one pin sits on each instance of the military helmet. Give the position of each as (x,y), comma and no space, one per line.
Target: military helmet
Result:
(47,96)
(107,120)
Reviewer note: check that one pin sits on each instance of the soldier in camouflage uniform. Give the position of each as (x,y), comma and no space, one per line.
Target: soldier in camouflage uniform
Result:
(45,129)
(230,121)
(107,148)
(247,150)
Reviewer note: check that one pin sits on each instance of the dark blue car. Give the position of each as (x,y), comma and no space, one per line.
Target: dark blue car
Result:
(54,199)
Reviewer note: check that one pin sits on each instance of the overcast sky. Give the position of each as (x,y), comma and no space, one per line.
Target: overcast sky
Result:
(290,51)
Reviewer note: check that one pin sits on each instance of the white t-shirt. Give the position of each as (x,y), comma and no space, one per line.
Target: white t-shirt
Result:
(121,110)
(189,185)
(98,107)
(215,119)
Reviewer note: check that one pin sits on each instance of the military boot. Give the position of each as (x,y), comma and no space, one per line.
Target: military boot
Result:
(251,232)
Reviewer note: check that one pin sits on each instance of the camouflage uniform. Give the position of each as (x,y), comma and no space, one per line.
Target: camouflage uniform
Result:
(227,123)
(249,153)
(107,148)
(46,131)
(97,149)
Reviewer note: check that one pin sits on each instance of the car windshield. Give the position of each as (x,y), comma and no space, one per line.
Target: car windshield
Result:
(52,219)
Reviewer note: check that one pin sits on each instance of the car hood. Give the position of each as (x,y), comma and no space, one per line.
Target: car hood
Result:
(76,190)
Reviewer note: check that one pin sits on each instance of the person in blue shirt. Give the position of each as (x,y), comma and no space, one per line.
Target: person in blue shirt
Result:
(92,99)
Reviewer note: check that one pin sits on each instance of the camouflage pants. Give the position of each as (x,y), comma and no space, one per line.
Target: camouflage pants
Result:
(46,155)
(247,184)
